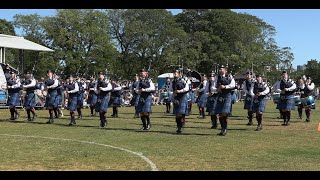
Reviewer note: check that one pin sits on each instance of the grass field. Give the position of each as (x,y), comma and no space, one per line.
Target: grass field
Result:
(122,146)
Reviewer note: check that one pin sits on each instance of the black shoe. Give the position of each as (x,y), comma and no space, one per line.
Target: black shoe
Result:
(299,117)
(17,116)
(178,131)
(307,120)
(55,117)
(223,132)
(103,125)
(214,127)
(72,123)
(287,123)
(29,119)
(12,119)
(34,117)
(259,128)
(200,117)
(79,117)
(250,123)
(113,115)
(51,121)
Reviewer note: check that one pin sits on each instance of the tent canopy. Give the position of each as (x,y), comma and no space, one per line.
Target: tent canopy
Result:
(16,42)
(165,75)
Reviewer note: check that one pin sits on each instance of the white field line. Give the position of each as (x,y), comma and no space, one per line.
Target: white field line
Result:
(152,165)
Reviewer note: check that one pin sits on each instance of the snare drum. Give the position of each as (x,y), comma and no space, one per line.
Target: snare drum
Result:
(307,101)
(297,100)
(276,97)
(164,95)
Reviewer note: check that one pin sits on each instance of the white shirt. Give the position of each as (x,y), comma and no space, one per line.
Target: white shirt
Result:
(76,88)
(230,86)
(151,88)
(277,86)
(244,88)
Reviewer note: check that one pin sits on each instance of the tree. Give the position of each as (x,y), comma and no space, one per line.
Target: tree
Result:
(80,40)
(145,38)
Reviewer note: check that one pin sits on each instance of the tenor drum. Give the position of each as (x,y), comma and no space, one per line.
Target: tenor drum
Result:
(307,101)
(164,95)
(297,100)
(276,97)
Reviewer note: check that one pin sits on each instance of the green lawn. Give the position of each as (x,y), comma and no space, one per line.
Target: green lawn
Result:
(296,147)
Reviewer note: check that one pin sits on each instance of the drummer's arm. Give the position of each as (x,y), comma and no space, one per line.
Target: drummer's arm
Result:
(292,88)
(311,86)
(265,92)
(185,89)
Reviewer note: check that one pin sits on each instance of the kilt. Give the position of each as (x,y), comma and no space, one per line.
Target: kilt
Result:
(182,107)
(286,102)
(30,100)
(80,99)
(202,100)
(223,103)
(115,101)
(92,99)
(51,101)
(72,102)
(102,103)
(248,102)
(211,102)
(191,97)
(13,99)
(259,105)
(59,99)
(135,99)
(146,105)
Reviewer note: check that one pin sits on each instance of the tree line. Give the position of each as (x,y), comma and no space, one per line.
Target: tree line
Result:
(122,41)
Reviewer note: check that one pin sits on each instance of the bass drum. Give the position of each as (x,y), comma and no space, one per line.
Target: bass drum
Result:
(195,79)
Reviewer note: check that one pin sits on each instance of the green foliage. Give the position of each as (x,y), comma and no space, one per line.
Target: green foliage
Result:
(122,41)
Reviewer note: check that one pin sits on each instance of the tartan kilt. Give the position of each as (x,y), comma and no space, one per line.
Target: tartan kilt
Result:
(51,101)
(223,103)
(211,102)
(146,105)
(191,97)
(114,101)
(102,103)
(59,99)
(30,100)
(13,99)
(202,100)
(135,99)
(72,102)
(259,105)
(80,99)
(182,108)
(286,102)
(248,102)
(92,99)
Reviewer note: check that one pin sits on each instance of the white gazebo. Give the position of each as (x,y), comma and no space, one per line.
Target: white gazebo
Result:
(16,42)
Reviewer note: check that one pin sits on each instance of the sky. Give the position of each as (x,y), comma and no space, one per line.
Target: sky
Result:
(298,29)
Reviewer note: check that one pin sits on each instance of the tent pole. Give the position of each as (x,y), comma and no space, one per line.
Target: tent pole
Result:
(0,54)
(4,55)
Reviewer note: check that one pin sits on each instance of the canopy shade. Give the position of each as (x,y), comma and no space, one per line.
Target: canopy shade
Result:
(16,42)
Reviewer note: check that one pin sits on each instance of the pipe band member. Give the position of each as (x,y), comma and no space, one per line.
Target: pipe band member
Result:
(180,88)
(211,100)
(14,87)
(57,111)
(260,91)
(165,88)
(92,97)
(51,85)
(145,88)
(72,89)
(223,85)
(286,87)
(306,87)
(247,87)
(202,97)
(115,98)
(82,86)
(135,99)
(103,89)
(29,85)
